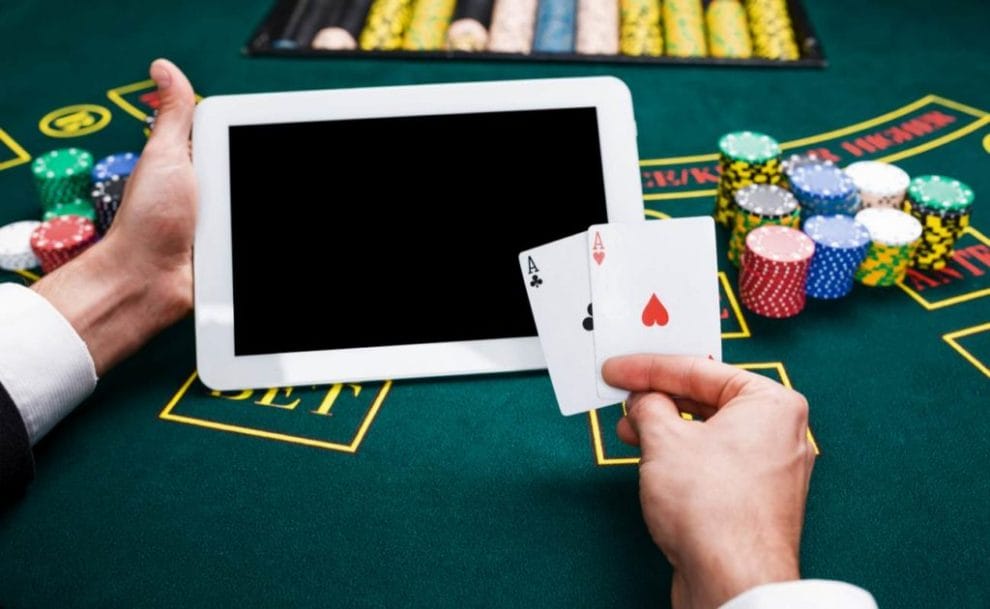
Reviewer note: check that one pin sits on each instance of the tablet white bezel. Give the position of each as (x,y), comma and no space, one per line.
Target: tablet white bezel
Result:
(219,368)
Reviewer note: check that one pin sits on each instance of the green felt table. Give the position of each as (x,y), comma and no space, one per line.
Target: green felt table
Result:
(474,491)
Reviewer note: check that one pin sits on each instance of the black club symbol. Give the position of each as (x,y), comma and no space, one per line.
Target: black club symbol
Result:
(535,281)
(589,322)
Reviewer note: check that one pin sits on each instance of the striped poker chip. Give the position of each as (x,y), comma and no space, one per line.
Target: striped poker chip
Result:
(749,146)
(107,196)
(821,180)
(780,245)
(597,27)
(841,244)
(119,164)
(467,35)
(890,226)
(773,271)
(766,200)
(15,246)
(941,193)
(334,38)
(61,239)
(513,24)
(75,207)
(878,177)
(839,232)
(62,175)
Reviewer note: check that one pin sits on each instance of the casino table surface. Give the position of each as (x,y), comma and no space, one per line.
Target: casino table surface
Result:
(474,492)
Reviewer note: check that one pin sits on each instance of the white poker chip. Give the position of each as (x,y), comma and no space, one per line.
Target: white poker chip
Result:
(878,178)
(15,246)
(890,226)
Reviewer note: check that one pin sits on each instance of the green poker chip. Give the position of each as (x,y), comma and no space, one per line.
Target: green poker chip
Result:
(63,163)
(76,207)
(749,146)
(941,193)
(62,176)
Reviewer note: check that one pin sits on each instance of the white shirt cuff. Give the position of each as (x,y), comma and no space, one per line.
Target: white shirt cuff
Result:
(45,366)
(806,594)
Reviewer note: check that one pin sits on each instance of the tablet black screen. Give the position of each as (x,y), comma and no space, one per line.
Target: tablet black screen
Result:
(393,231)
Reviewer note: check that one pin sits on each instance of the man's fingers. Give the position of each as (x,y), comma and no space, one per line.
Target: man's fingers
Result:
(627,433)
(624,429)
(695,408)
(695,378)
(649,416)
(177,102)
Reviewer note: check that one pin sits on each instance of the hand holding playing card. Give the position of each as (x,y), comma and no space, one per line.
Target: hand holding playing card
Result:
(723,499)
(654,290)
(652,287)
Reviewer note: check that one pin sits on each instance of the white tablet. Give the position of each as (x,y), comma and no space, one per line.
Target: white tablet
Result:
(364,234)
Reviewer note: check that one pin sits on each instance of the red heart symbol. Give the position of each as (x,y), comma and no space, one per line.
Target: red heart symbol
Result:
(655,313)
(598,256)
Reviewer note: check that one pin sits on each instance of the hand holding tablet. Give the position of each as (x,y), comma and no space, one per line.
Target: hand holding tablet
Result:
(406,205)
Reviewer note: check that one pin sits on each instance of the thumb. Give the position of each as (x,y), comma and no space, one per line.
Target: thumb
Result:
(176,105)
(650,416)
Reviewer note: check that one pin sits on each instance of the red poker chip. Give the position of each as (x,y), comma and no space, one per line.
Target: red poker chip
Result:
(773,272)
(61,239)
(783,245)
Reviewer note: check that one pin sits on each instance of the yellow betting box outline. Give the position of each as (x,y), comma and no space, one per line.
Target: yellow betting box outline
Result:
(116,95)
(954,300)
(953,337)
(27,275)
(736,310)
(351,448)
(982,119)
(724,280)
(21,156)
(598,444)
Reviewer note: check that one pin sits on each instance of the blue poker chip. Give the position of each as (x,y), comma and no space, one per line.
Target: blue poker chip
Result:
(822,181)
(119,164)
(841,244)
(837,231)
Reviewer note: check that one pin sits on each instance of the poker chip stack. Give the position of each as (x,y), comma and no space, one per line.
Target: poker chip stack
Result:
(728,30)
(894,235)
(793,162)
(109,178)
(943,207)
(823,189)
(760,205)
(597,27)
(841,244)
(387,20)
(15,246)
(773,34)
(61,239)
(639,28)
(774,270)
(120,164)
(468,29)
(745,157)
(106,196)
(62,176)
(556,23)
(879,184)
(427,29)
(513,24)
(684,25)
(75,207)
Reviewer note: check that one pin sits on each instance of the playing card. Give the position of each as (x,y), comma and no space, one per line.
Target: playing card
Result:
(654,289)
(556,277)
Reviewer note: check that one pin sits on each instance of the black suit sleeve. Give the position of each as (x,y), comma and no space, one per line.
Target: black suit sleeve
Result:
(16,460)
